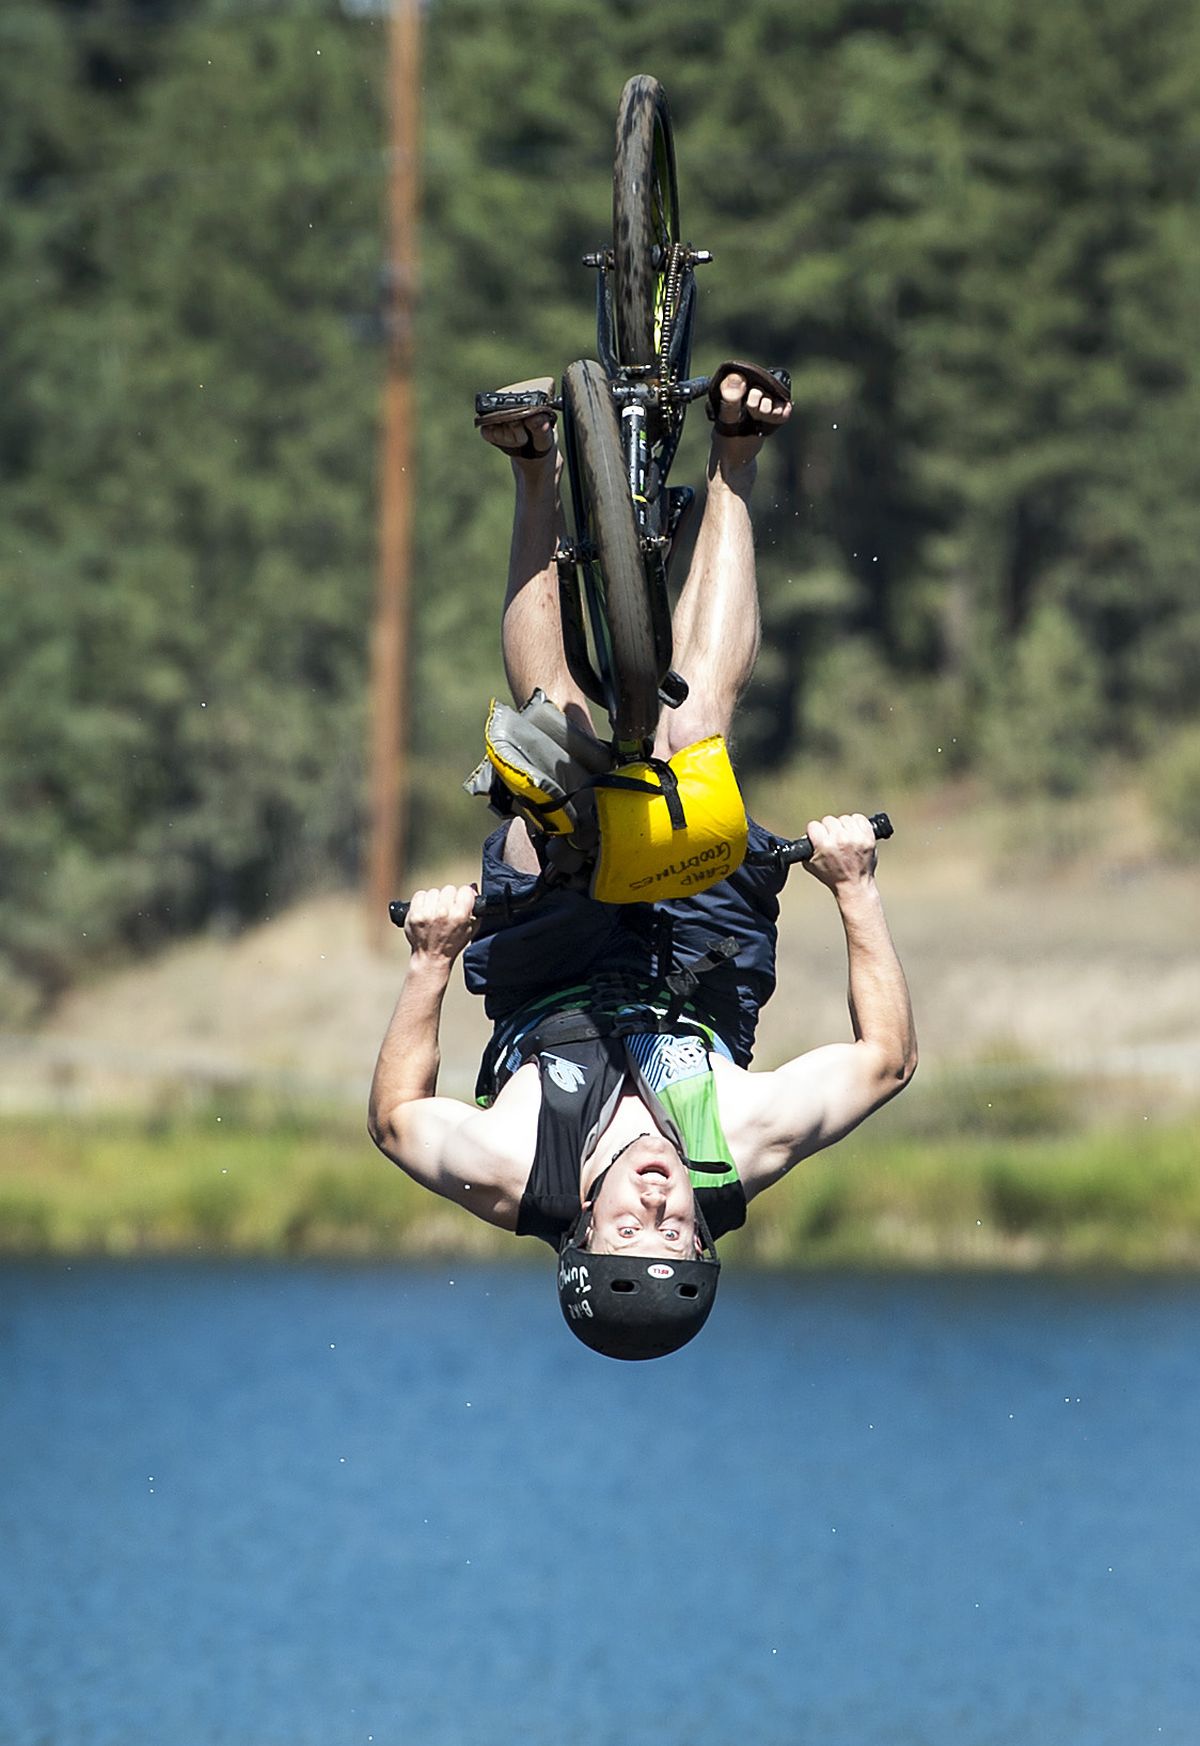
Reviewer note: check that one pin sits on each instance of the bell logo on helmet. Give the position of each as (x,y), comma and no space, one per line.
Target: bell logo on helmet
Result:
(660,1270)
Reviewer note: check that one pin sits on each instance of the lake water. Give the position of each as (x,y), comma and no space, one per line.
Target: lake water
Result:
(311,1506)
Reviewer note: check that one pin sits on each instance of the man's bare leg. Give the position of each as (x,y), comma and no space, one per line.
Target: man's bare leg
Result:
(531,629)
(716,622)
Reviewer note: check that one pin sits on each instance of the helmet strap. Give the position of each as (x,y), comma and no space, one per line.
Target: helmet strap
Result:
(709,1252)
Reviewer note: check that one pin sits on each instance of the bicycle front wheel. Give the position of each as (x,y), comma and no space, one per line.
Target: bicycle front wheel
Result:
(645,219)
(616,584)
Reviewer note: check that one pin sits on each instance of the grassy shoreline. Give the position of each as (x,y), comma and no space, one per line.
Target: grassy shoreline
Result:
(1125,1195)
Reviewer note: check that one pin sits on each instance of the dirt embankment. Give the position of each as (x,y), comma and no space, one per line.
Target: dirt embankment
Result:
(1087,964)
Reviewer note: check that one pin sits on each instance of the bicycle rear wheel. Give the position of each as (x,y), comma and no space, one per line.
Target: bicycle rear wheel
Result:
(615,580)
(645,219)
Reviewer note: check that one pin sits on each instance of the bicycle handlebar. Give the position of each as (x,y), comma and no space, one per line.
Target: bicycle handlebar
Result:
(503,905)
(800,849)
(500,906)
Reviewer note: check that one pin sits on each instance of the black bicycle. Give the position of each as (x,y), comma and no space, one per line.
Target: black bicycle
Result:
(622,418)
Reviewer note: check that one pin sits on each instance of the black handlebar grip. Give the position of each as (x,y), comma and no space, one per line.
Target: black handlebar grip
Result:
(801,849)
(483,906)
(398,909)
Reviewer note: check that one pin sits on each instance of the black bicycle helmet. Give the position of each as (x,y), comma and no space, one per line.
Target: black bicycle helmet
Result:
(634,1306)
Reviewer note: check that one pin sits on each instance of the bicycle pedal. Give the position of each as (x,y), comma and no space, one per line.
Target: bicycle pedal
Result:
(674,689)
(500,400)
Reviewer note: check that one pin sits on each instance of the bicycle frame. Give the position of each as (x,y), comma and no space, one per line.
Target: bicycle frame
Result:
(664,398)
(615,609)
(651,402)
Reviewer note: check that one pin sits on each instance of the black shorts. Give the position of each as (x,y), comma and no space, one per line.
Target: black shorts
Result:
(570,939)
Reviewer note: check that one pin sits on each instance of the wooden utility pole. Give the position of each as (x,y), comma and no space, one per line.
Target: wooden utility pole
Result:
(389,645)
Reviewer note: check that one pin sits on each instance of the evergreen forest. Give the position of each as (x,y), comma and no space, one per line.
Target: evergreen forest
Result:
(971,233)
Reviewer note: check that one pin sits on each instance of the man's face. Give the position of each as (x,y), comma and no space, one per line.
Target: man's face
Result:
(645,1204)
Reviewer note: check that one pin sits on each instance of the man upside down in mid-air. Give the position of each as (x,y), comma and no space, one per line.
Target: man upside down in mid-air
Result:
(626,1131)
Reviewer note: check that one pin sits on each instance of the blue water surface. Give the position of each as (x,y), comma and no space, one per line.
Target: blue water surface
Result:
(312,1506)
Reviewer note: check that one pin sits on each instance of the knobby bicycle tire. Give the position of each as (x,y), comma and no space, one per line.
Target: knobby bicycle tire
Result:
(617,585)
(645,218)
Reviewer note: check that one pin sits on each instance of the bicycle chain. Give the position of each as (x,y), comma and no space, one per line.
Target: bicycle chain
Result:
(672,286)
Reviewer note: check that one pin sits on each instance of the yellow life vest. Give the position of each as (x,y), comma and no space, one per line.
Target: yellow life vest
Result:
(647,830)
(681,829)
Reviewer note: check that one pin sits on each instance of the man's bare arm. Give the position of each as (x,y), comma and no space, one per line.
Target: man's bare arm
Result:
(433,1138)
(439,925)
(816,1099)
